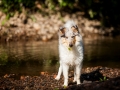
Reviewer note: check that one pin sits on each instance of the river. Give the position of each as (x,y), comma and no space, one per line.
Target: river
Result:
(33,57)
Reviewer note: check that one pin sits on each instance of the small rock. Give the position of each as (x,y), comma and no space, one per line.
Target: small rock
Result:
(87,81)
(36,26)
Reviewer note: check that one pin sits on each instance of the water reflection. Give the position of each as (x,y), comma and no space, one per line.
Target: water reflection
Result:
(103,51)
(30,58)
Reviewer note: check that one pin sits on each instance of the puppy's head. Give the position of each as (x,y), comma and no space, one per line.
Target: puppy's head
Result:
(68,34)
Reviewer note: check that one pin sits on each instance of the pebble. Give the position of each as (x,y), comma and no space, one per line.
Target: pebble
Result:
(46,81)
(36,26)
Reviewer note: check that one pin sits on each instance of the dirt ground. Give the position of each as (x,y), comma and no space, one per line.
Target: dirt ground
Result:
(92,78)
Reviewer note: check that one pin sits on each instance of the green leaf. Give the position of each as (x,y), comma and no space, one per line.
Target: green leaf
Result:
(3,22)
(101,79)
(92,13)
(56,89)
(105,78)
(69,49)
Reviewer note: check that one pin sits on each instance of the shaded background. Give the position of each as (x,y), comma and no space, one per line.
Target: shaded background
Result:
(23,19)
(28,33)
(106,11)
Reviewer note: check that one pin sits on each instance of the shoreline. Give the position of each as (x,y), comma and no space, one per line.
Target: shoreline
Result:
(38,27)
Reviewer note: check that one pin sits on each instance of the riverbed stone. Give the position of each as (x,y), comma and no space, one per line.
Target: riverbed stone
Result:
(41,24)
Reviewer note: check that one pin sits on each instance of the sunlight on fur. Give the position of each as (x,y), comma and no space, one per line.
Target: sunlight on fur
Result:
(70,51)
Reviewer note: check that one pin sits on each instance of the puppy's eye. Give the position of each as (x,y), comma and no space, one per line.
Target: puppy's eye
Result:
(63,35)
(72,36)
(66,37)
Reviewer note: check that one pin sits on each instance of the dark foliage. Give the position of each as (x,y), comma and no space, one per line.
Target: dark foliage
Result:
(107,11)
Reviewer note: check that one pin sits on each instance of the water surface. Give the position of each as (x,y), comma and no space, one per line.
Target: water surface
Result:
(30,58)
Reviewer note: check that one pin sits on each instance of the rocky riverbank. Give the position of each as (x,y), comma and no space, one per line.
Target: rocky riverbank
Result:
(92,78)
(37,26)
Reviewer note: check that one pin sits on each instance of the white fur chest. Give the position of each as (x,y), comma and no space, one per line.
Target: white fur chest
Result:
(70,57)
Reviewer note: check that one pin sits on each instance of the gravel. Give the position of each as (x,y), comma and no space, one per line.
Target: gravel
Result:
(92,78)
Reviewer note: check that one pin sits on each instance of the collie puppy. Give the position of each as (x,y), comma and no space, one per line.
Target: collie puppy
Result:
(70,51)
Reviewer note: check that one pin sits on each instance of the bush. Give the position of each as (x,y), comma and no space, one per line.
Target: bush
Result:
(11,6)
(107,11)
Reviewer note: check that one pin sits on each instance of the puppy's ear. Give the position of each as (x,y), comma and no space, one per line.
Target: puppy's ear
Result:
(62,31)
(75,29)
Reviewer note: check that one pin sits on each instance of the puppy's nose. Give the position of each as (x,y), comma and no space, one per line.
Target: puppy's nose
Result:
(70,45)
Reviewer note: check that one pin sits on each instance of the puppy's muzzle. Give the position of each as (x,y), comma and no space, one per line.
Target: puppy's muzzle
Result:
(70,45)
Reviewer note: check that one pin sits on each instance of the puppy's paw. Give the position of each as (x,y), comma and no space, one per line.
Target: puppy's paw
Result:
(78,82)
(65,85)
(74,80)
(57,78)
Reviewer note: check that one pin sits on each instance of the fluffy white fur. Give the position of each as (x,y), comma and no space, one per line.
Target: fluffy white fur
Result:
(73,57)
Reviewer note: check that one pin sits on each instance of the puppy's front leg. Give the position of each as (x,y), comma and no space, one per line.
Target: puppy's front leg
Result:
(78,73)
(65,74)
(59,72)
(74,75)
